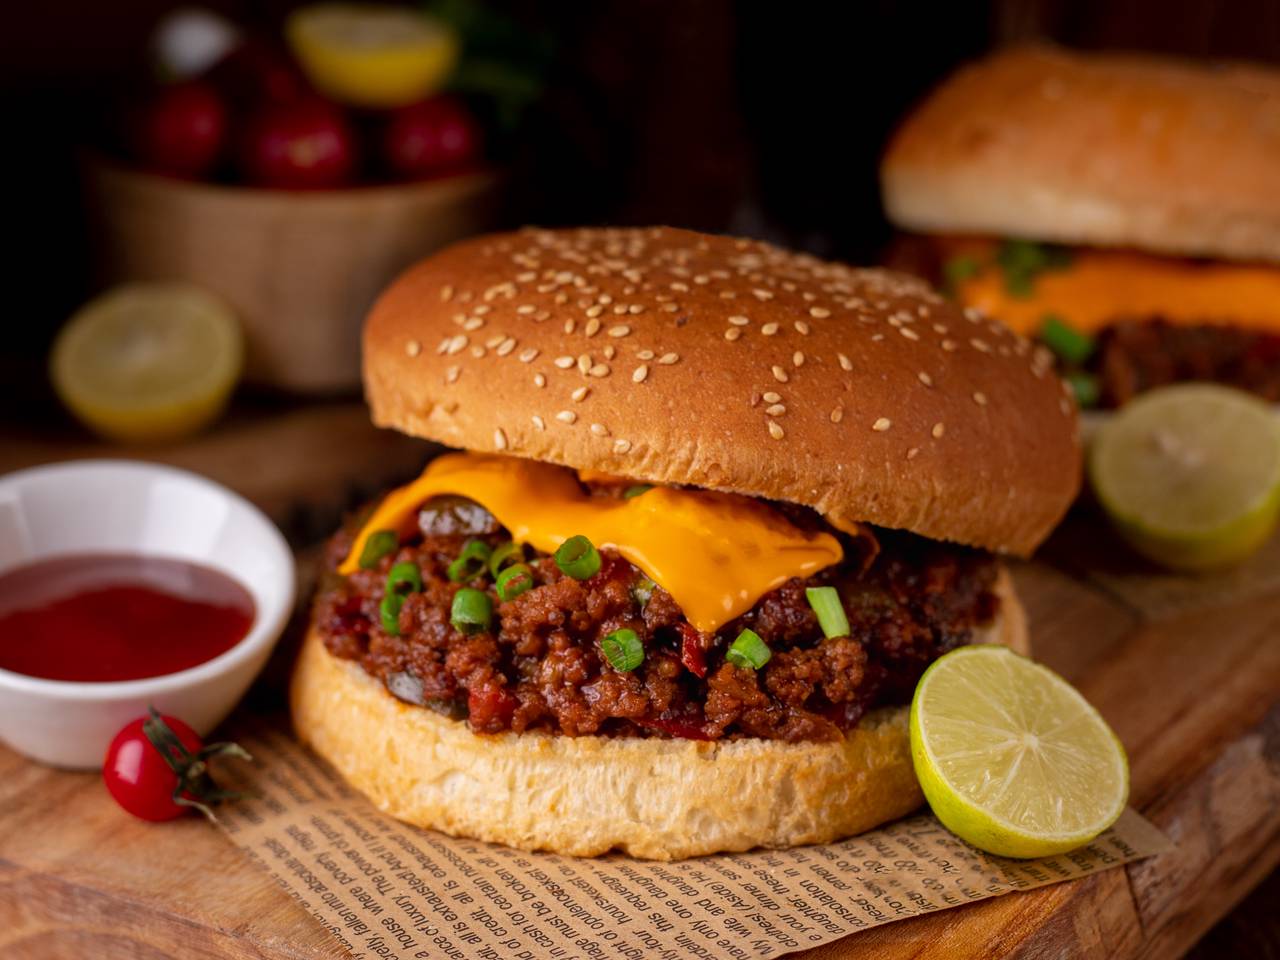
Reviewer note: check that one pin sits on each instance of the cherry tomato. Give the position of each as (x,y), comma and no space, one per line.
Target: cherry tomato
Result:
(298,146)
(183,130)
(430,137)
(137,775)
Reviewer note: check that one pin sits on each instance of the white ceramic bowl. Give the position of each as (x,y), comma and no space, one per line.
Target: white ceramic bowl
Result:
(118,506)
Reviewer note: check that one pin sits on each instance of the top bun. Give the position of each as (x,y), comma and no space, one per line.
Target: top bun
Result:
(1103,149)
(680,358)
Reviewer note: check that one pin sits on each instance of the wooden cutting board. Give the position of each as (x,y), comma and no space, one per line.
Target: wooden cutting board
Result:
(1187,672)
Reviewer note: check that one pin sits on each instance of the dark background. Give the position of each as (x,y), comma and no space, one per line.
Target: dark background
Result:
(765,119)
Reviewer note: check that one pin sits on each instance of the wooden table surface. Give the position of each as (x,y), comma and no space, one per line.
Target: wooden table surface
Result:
(1186,671)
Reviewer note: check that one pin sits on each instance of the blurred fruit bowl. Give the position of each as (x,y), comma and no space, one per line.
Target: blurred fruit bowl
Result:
(300,268)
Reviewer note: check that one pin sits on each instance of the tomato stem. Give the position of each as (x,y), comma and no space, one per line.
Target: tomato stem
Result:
(196,786)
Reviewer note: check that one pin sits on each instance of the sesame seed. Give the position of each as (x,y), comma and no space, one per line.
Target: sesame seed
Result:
(772,397)
(819,312)
(595,311)
(599,429)
(733,333)
(739,321)
(776,409)
(473,324)
(621,330)
(451,375)
(938,430)
(909,333)
(779,374)
(538,422)
(845,362)
(494,341)
(802,327)
(911,454)
(505,347)
(1064,405)
(939,328)
(837,414)
(580,394)
(567,416)
(527,277)
(599,370)
(644,354)
(528,354)
(446,293)
(564,363)
(604,299)
(478,351)
(640,372)
(620,309)
(621,446)
(413,348)
(539,380)
(499,439)
(668,358)
(775,430)
(881,425)
(570,325)
(925,378)
(769,329)
(979,345)
(798,358)
(949,346)
(584,364)
(561,299)
(635,308)
(525,309)
(763,294)
(980,398)
(457,344)
(482,309)
(592,327)
(671,307)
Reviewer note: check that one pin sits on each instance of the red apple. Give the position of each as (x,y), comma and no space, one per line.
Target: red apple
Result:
(298,146)
(257,72)
(430,137)
(183,130)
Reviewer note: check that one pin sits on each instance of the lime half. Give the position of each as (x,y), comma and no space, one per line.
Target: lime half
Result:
(148,361)
(1190,474)
(1011,758)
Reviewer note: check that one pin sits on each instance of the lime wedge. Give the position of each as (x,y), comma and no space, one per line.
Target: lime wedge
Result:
(148,361)
(1190,474)
(1011,758)
(372,55)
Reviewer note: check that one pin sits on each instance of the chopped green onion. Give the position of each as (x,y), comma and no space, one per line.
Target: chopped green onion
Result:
(826,604)
(1022,261)
(1086,388)
(404,575)
(471,561)
(578,558)
(635,491)
(959,269)
(504,554)
(623,650)
(642,590)
(376,546)
(1067,342)
(513,581)
(389,612)
(472,611)
(748,651)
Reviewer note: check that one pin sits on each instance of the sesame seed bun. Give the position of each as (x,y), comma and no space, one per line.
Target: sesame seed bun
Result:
(583,796)
(1125,150)
(679,358)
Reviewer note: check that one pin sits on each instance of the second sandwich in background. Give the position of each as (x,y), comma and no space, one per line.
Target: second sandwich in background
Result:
(1124,209)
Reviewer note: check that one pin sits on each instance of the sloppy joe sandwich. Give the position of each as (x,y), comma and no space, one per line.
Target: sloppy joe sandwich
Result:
(1122,208)
(711,510)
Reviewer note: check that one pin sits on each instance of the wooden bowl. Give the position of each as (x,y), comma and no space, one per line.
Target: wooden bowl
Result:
(299,268)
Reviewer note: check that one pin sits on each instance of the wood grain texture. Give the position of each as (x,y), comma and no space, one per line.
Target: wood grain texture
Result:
(1192,689)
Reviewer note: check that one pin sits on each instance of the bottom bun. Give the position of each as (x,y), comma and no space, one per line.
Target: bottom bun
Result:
(583,796)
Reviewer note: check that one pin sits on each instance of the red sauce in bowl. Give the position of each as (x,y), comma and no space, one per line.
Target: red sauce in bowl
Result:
(107,617)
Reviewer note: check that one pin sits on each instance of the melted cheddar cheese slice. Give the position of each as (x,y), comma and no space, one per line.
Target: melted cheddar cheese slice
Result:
(1100,287)
(715,553)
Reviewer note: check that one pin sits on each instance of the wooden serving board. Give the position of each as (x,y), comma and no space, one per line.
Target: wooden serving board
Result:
(1187,672)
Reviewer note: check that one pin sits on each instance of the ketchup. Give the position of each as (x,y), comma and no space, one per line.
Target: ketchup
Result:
(104,617)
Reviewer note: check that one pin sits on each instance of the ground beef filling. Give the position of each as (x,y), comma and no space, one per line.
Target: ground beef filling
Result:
(540,667)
